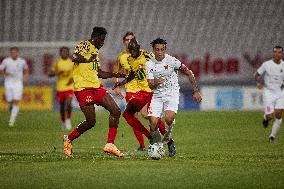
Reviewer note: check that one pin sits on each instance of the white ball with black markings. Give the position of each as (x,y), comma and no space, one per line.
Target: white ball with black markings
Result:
(156,151)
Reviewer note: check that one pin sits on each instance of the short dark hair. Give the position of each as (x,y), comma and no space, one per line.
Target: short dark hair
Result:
(14,48)
(158,41)
(277,47)
(97,31)
(127,34)
(64,47)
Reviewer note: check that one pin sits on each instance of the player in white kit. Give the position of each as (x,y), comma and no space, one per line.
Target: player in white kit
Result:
(162,76)
(273,92)
(15,71)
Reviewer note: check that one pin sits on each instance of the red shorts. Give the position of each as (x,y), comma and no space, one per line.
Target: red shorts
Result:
(91,95)
(128,96)
(139,99)
(61,96)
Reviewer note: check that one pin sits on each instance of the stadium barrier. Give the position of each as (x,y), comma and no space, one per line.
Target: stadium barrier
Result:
(231,98)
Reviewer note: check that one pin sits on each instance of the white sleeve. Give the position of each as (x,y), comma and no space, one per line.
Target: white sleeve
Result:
(149,70)
(176,63)
(261,69)
(3,65)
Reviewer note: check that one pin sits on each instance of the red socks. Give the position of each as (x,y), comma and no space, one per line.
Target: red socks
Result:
(135,123)
(162,127)
(75,134)
(112,131)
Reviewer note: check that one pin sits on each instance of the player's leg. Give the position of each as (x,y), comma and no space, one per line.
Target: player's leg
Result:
(276,124)
(109,104)
(161,123)
(86,102)
(61,101)
(138,134)
(16,95)
(279,106)
(171,108)
(129,116)
(90,115)
(68,111)
(155,110)
(269,100)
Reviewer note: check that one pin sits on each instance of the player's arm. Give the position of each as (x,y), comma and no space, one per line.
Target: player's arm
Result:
(2,70)
(258,76)
(26,74)
(117,67)
(129,78)
(258,79)
(78,58)
(105,75)
(196,92)
(155,82)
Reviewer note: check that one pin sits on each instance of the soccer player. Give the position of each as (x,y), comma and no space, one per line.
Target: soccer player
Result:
(131,87)
(63,68)
(15,71)
(89,91)
(162,77)
(273,94)
(137,62)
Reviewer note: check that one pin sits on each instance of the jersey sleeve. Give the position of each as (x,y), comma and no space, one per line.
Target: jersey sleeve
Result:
(82,48)
(176,63)
(149,70)
(261,69)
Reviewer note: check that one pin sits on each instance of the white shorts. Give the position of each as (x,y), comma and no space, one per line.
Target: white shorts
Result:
(160,104)
(272,100)
(13,92)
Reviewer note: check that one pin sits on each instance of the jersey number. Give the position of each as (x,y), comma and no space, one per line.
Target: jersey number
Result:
(140,74)
(95,66)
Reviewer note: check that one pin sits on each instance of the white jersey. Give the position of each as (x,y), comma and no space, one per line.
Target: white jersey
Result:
(273,74)
(167,69)
(15,70)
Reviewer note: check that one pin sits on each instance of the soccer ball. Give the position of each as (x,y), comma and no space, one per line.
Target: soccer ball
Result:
(156,150)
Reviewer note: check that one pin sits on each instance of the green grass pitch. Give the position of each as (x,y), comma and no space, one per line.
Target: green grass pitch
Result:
(214,150)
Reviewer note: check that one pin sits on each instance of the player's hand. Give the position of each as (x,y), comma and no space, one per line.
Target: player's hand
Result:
(119,75)
(118,93)
(159,81)
(197,96)
(70,81)
(259,85)
(60,73)
(116,85)
(93,58)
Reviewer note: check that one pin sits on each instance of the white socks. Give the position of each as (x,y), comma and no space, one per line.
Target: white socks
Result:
(275,127)
(14,113)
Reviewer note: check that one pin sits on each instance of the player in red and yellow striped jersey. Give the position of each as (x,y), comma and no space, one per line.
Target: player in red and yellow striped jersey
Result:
(131,88)
(89,91)
(62,68)
(143,96)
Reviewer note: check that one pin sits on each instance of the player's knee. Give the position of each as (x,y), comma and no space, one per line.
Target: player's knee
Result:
(91,122)
(116,113)
(269,116)
(278,115)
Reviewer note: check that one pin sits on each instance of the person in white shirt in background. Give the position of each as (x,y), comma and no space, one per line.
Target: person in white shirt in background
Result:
(162,76)
(273,93)
(15,71)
